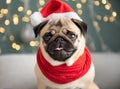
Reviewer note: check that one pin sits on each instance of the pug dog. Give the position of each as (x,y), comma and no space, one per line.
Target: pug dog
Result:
(61,58)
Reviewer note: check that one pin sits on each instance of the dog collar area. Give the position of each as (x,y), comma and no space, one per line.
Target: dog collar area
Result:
(63,74)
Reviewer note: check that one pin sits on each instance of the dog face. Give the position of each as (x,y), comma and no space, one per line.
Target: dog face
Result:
(61,38)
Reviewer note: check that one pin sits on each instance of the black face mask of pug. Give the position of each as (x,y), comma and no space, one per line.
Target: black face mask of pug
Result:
(62,41)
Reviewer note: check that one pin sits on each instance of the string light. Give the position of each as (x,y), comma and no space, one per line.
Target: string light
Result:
(4,11)
(78,5)
(16,46)
(104,1)
(15,19)
(96,25)
(7,22)
(29,12)
(1,15)
(2,30)
(20,8)
(25,19)
(13,45)
(11,37)
(107,6)
(80,12)
(112,19)
(97,3)
(40,9)
(34,43)
(23,16)
(8,1)
(105,18)
(83,1)
(114,14)
(41,2)
(99,17)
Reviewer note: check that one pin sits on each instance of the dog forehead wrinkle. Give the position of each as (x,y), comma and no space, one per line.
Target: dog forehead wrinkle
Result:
(59,23)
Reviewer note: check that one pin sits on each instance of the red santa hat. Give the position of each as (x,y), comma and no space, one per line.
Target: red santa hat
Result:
(53,9)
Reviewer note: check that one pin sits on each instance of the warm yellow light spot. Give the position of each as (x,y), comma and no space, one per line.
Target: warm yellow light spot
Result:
(11,37)
(29,12)
(107,7)
(2,11)
(112,19)
(15,19)
(34,43)
(99,17)
(80,12)
(5,11)
(40,9)
(78,5)
(25,19)
(2,30)
(96,25)
(7,22)
(18,47)
(14,45)
(97,3)
(83,1)
(1,15)
(105,18)
(20,8)
(8,1)
(41,2)
(114,14)
(104,1)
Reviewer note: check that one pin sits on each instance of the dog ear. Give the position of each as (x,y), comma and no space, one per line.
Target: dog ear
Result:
(81,25)
(39,27)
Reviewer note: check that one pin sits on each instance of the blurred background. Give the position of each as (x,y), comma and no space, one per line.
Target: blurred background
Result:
(101,16)
(17,37)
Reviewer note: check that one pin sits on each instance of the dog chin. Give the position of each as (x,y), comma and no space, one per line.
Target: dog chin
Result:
(60,55)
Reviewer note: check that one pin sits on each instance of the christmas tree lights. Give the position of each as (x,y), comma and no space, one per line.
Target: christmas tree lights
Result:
(14,20)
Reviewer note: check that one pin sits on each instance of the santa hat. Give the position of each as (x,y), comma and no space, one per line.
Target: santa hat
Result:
(53,9)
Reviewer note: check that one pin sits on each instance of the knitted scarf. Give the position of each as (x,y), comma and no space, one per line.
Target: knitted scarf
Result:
(64,74)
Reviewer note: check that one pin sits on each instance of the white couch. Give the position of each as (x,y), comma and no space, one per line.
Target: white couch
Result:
(17,71)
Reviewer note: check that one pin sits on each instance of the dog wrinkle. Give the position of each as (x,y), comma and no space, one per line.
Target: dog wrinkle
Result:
(59,23)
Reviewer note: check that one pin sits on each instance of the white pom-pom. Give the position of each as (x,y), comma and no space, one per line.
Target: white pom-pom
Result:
(36,18)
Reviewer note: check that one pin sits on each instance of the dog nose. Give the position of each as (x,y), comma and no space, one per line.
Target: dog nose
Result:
(59,39)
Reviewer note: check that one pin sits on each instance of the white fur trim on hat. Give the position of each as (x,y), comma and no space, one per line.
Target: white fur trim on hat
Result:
(64,15)
(36,18)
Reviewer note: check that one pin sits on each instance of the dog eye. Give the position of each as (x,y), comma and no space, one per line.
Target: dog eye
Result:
(72,36)
(47,36)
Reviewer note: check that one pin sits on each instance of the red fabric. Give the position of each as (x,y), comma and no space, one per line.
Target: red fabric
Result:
(55,6)
(64,74)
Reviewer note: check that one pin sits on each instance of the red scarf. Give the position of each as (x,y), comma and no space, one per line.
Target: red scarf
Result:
(64,74)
